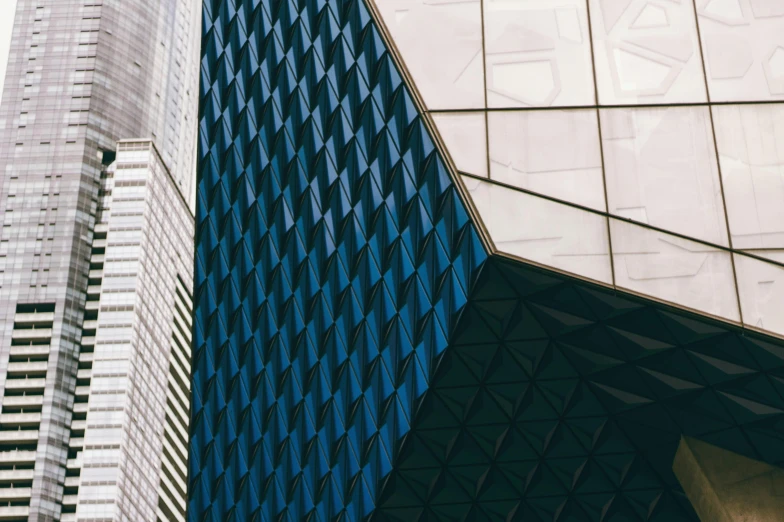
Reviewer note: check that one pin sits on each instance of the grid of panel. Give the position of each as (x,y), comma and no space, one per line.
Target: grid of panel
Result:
(558,399)
(638,143)
(81,75)
(333,254)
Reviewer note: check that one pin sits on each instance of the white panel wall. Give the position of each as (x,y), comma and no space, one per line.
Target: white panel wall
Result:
(606,138)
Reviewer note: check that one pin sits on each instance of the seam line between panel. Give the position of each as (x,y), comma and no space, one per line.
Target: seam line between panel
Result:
(601,141)
(623,219)
(718,162)
(613,106)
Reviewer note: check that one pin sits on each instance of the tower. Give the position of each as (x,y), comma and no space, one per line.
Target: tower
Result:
(97,134)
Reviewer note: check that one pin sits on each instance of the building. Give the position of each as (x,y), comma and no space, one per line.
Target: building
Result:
(97,141)
(489,260)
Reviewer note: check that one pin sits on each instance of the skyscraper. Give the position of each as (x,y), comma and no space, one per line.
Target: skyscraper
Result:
(97,141)
(489,260)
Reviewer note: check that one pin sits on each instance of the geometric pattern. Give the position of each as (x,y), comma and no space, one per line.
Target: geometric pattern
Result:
(357,355)
(561,400)
(333,254)
(614,140)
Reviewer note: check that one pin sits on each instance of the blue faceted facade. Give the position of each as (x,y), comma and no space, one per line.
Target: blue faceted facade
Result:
(333,257)
(360,355)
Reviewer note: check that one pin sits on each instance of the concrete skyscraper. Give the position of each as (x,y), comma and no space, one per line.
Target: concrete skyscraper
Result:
(97,148)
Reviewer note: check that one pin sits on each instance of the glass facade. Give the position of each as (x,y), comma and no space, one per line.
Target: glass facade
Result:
(84,365)
(479,261)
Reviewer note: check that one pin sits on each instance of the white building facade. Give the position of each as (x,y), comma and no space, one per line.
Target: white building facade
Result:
(634,143)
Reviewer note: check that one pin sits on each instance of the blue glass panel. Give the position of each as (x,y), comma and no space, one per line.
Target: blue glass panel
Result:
(334,256)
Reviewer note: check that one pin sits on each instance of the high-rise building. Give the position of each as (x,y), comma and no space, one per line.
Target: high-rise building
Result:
(97,148)
(489,260)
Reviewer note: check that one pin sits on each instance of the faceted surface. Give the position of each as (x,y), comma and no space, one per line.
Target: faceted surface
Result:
(333,256)
(560,400)
(358,353)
